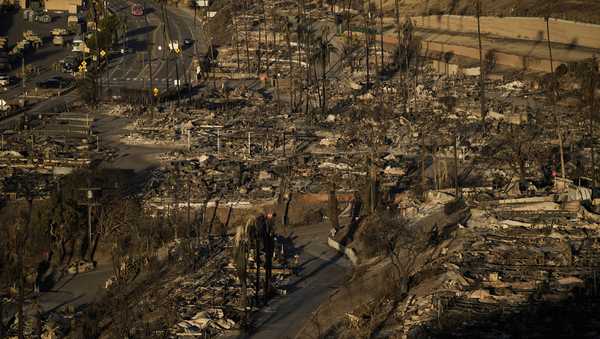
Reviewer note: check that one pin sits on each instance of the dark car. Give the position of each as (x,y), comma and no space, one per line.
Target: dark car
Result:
(71,65)
(188,42)
(54,82)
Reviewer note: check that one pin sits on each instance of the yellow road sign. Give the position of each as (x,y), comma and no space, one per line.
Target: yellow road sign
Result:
(83,63)
(155,91)
(177,50)
(102,53)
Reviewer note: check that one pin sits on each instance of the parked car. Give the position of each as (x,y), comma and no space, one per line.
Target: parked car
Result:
(54,82)
(70,64)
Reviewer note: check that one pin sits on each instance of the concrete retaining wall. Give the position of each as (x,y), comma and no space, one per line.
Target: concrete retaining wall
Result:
(430,48)
(504,59)
(561,31)
(345,250)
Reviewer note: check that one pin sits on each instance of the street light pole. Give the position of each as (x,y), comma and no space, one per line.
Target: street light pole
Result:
(89,203)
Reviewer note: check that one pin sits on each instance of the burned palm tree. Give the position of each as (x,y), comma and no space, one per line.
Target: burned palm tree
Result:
(368,30)
(268,240)
(482,98)
(256,235)
(288,27)
(241,252)
(322,56)
(553,94)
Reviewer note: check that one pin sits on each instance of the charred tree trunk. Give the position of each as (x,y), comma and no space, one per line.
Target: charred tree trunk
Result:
(333,208)
(257,239)
(367,36)
(235,35)
(269,246)
(553,97)
(422,161)
(246,28)
(22,236)
(288,41)
(456,185)
(381,32)
(593,141)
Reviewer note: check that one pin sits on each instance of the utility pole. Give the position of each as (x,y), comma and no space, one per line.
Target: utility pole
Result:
(98,77)
(165,40)
(381,31)
(174,49)
(150,74)
(89,202)
(367,33)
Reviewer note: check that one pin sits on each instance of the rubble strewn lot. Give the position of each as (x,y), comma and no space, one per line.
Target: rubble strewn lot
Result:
(470,269)
(459,221)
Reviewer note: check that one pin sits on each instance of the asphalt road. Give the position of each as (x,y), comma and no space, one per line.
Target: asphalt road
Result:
(150,62)
(72,289)
(322,271)
(13,25)
(76,289)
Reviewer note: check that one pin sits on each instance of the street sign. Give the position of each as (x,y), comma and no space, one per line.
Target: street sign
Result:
(83,63)
(102,53)
(155,92)
(174,45)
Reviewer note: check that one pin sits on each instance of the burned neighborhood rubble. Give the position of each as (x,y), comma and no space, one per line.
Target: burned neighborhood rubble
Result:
(302,169)
(482,263)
